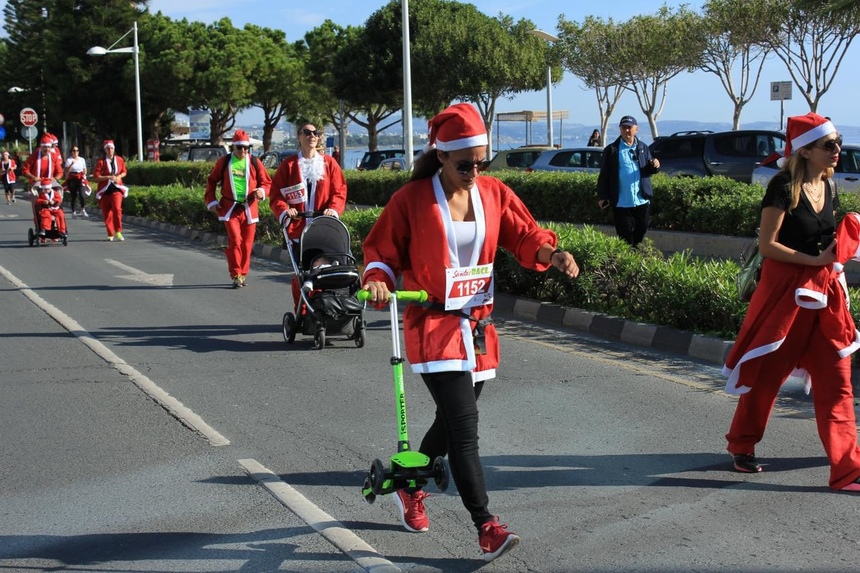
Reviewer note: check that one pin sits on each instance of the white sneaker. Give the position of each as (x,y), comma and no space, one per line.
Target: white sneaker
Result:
(84,213)
(74,215)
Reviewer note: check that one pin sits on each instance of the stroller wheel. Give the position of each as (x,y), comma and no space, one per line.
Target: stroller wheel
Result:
(319,339)
(289,326)
(359,333)
(30,236)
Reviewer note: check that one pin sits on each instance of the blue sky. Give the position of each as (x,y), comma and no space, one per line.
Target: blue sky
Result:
(697,96)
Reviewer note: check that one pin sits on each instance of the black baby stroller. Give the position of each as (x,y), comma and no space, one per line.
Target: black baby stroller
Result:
(329,279)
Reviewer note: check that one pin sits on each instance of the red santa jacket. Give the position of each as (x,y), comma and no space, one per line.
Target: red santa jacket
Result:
(414,238)
(104,167)
(783,290)
(8,168)
(256,177)
(49,198)
(289,190)
(41,166)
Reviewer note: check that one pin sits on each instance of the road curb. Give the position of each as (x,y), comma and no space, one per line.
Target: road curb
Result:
(706,348)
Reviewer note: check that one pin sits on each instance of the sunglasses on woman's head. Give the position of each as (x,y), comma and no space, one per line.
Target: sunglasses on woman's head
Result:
(310,132)
(831,144)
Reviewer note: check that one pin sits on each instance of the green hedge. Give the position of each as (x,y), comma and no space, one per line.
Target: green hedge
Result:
(636,284)
(714,205)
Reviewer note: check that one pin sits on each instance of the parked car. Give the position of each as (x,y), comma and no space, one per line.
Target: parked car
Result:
(847,175)
(209,153)
(583,159)
(372,159)
(517,159)
(393,164)
(272,159)
(734,154)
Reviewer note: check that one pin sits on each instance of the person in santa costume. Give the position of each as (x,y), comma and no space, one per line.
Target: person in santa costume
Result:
(244,183)
(108,175)
(7,172)
(43,164)
(48,206)
(307,181)
(439,233)
(798,320)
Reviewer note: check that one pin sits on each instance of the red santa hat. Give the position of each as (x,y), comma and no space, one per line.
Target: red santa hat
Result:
(54,139)
(460,126)
(46,140)
(108,143)
(801,130)
(240,137)
(47,183)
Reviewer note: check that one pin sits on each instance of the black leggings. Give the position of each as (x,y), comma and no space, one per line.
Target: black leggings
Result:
(455,432)
(76,191)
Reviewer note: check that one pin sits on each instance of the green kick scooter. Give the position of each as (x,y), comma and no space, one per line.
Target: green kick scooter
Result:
(407,466)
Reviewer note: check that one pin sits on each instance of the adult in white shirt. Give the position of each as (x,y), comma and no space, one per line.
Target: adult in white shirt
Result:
(75,173)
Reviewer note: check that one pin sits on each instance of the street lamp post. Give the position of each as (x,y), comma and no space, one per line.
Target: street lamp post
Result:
(552,39)
(135,50)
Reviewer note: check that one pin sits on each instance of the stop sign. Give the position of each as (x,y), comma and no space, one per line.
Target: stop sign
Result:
(29,117)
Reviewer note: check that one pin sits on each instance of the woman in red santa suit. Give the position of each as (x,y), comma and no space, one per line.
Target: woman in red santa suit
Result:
(307,181)
(798,320)
(244,183)
(446,223)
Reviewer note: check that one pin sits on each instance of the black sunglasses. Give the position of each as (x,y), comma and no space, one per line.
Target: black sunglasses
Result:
(466,167)
(75,149)
(831,144)
(310,132)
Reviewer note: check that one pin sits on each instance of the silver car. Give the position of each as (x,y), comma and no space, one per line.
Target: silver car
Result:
(583,159)
(847,174)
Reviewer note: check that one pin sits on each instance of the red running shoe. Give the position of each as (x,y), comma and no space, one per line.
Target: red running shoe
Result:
(412,514)
(495,539)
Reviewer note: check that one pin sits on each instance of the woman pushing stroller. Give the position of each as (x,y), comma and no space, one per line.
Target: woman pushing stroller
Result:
(457,220)
(307,181)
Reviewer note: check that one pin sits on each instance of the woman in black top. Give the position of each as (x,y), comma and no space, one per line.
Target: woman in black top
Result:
(798,318)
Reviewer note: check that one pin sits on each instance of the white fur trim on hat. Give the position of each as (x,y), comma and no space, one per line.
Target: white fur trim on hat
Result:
(465,143)
(813,134)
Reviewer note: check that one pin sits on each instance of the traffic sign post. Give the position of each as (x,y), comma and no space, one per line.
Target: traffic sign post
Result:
(780,91)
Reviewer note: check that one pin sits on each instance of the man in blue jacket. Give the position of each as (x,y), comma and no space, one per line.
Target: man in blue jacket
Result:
(624,182)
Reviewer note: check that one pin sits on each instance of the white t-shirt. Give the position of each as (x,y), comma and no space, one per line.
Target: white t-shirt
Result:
(78,165)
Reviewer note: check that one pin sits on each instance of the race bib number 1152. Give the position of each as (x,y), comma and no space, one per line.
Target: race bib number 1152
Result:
(467,287)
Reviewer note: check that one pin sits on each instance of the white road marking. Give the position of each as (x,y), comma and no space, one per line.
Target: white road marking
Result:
(348,542)
(150,388)
(138,275)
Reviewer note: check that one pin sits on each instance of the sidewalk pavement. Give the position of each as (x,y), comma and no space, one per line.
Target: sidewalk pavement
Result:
(706,348)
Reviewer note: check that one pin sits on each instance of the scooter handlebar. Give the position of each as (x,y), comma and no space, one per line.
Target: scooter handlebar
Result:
(404,295)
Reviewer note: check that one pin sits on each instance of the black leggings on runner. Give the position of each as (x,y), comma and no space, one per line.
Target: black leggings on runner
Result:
(455,432)
(76,191)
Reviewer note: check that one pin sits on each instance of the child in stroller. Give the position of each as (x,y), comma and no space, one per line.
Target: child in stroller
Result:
(326,269)
(49,221)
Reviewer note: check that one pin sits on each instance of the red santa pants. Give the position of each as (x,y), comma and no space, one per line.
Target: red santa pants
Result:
(240,242)
(111,206)
(45,215)
(832,398)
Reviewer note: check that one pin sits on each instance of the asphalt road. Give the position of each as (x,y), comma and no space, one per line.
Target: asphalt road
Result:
(153,419)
